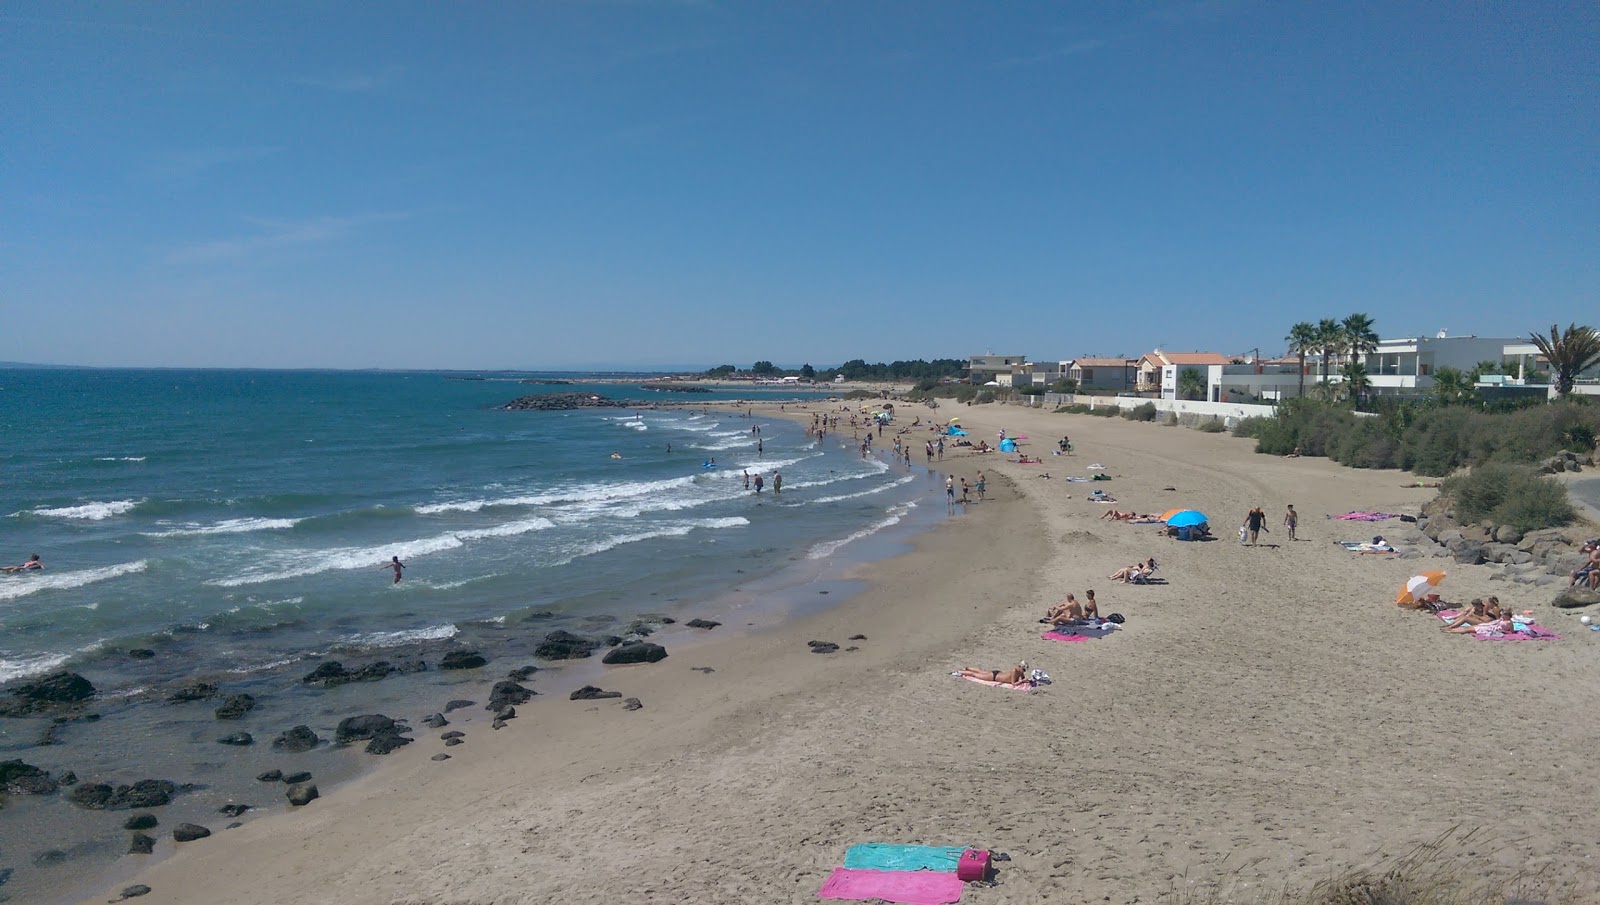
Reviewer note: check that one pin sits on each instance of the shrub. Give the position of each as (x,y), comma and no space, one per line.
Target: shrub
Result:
(1513,495)
(984,397)
(966,392)
(1213,426)
(1105,411)
(1171,420)
(1077,408)
(1142,412)
(1251,427)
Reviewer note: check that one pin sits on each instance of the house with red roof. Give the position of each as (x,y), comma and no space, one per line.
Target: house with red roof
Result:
(1159,370)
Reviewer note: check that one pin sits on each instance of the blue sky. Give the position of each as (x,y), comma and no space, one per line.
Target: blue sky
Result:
(603,183)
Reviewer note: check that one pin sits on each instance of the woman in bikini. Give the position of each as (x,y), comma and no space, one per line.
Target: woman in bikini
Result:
(1010,676)
(1127,573)
(1468,622)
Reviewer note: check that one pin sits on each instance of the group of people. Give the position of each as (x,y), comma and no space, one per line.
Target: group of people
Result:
(1589,572)
(760,483)
(981,485)
(1073,612)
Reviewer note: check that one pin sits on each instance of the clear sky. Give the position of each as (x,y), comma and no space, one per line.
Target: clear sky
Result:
(604,183)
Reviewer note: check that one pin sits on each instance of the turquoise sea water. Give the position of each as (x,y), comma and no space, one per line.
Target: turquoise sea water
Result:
(237,522)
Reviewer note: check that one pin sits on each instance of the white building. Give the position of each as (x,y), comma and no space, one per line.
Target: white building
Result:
(1406,366)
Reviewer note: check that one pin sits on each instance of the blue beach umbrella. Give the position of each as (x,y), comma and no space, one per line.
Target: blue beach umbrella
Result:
(1188,518)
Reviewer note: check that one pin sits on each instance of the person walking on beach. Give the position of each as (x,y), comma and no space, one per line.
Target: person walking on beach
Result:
(1291,520)
(980,485)
(929,450)
(1256,521)
(32,565)
(908,455)
(777,482)
(395,564)
(941,449)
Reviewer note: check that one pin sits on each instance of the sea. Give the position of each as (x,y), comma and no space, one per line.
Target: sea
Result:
(237,524)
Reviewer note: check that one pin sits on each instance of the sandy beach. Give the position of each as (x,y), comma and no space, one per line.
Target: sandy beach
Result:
(1266,718)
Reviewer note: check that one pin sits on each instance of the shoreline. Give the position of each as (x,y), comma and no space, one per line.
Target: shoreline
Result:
(1266,718)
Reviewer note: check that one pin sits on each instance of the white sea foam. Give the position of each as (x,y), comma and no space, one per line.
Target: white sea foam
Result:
(263,667)
(828,548)
(91,511)
(675,529)
(14,586)
(574,493)
(851,496)
(302,564)
(396,639)
(229,526)
(119,458)
(39,664)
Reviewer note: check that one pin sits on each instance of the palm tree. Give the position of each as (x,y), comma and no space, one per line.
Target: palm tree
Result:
(1302,340)
(1356,383)
(1451,385)
(1330,341)
(1191,384)
(1359,337)
(1570,353)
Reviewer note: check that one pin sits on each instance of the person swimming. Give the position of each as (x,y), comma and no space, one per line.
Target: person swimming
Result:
(32,565)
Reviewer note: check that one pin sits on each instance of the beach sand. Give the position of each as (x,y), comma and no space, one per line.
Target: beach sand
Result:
(1266,718)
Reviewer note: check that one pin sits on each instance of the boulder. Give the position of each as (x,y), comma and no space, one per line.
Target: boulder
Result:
(563,645)
(361,728)
(146,793)
(462,659)
(436,721)
(1572,598)
(140,822)
(19,778)
(822,647)
(142,844)
(453,733)
(235,707)
(296,740)
(141,653)
(1477,534)
(1448,536)
(189,832)
(299,777)
(1508,534)
(520,674)
(333,674)
(707,624)
(387,742)
(134,891)
(233,810)
(506,713)
(194,691)
(237,738)
(301,794)
(457,705)
(631,704)
(506,693)
(591,693)
(270,776)
(55,692)
(1469,553)
(440,756)
(635,652)
(451,742)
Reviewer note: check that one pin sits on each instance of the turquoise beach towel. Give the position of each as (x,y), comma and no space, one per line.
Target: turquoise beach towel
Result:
(883,856)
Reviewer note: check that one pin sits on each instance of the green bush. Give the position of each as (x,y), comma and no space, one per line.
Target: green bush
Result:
(984,397)
(1171,420)
(1077,408)
(861,394)
(1510,495)
(966,392)
(1032,390)
(1251,427)
(1213,426)
(1105,411)
(1143,412)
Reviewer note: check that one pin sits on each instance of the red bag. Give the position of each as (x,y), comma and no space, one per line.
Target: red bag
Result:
(973,866)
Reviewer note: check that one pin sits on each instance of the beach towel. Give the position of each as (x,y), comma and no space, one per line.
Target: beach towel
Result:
(1365,516)
(1356,546)
(1073,633)
(1024,685)
(884,856)
(1077,480)
(913,887)
(1525,631)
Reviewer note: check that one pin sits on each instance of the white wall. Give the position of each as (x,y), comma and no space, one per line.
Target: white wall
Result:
(1228,411)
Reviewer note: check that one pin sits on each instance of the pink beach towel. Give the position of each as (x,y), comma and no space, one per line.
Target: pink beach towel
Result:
(913,887)
(1365,516)
(1530,631)
(1020,686)
(1058,636)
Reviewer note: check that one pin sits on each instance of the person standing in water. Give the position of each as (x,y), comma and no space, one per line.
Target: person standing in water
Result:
(777,482)
(395,564)
(760,483)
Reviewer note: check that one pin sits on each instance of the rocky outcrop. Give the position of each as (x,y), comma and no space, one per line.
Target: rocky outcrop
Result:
(296,740)
(146,793)
(189,832)
(382,734)
(632,704)
(238,739)
(507,693)
(591,693)
(235,707)
(302,793)
(1575,598)
(19,778)
(435,721)
(462,659)
(564,645)
(707,624)
(636,652)
(557,402)
(55,693)
(333,673)
(194,691)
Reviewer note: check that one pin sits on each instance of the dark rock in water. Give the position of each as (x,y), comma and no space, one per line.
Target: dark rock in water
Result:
(49,857)
(233,810)
(270,776)
(360,728)
(297,778)
(823,647)
(612,640)
(506,693)
(296,740)
(857,638)
(302,793)
(135,891)
(564,645)
(142,844)
(555,402)
(522,673)
(640,628)
(189,832)
(702,623)
(68,778)
(5,874)
(632,704)
(237,738)
(538,616)
(140,822)
(1572,598)
(387,742)
(599,619)
(436,721)
(235,707)
(452,742)
(591,693)
(636,652)
(462,659)
(333,674)
(453,733)
(146,793)
(141,653)
(55,692)
(194,691)
(19,778)
(457,705)
(440,756)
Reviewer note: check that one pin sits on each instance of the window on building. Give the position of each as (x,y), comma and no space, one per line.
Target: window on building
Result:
(1087,375)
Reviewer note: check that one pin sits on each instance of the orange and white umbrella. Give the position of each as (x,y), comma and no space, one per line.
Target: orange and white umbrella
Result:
(1418,585)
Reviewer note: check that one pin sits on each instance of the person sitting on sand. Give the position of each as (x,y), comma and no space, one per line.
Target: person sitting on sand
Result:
(1468,622)
(1068,610)
(1589,572)
(1091,607)
(32,565)
(1294,455)
(1011,676)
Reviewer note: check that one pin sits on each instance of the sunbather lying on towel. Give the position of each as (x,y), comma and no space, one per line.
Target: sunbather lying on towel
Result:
(1483,612)
(1118,515)
(1004,676)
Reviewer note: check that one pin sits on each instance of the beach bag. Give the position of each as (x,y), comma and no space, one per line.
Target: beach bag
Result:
(973,866)
(1244,534)
(1116,618)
